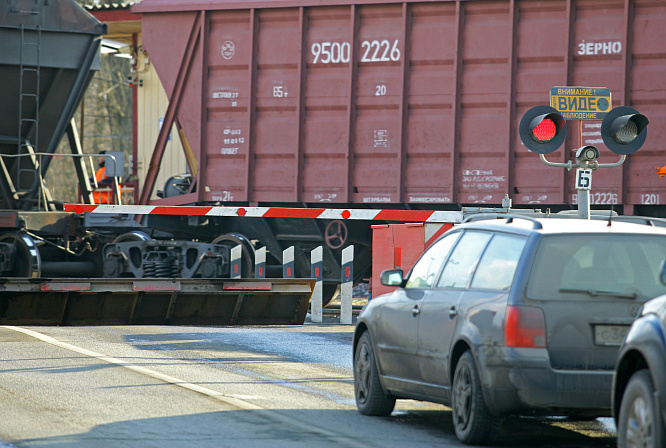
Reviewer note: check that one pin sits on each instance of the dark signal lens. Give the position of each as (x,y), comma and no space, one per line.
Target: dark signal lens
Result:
(627,133)
(545,131)
(624,130)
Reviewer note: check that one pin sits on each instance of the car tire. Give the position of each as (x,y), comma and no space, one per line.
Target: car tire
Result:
(639,423)
(473,423)
(371,399)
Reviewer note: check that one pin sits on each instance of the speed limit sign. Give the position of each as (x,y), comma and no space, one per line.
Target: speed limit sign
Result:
(583,179)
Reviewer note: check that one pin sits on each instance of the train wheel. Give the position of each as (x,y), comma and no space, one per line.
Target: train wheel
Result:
(329,290)
(23,255)
(135,235)
(114,266)
(232,240)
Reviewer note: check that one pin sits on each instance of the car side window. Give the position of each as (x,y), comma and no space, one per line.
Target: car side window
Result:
(463,260)
(425,270)
(498,263)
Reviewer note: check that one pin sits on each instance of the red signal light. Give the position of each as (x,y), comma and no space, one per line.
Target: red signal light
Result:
(542,129)
(545,131)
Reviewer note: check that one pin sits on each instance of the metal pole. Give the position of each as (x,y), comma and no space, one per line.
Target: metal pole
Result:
(288,262)
(584,204)
(236,261)
(260,263)
(316,268)
(347,281)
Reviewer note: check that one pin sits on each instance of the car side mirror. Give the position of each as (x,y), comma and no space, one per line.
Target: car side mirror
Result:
(662,277)
(392,277)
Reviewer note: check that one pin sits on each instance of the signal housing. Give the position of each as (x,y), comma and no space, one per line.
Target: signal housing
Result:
(538,134)
(624,130)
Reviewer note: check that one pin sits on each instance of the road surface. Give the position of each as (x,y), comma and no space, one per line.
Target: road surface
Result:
(163,386)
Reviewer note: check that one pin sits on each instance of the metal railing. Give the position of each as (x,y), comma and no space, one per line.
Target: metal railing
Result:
(120,193)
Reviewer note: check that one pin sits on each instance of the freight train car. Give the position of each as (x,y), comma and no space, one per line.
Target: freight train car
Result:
(377,104)
(418,103)
(396,104)
(49,51)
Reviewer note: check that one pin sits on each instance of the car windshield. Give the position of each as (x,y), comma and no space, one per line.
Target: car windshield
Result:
(598,265)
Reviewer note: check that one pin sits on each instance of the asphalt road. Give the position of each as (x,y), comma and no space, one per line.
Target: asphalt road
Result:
(160,386)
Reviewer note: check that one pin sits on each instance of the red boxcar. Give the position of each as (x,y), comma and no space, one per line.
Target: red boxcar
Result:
(385,102)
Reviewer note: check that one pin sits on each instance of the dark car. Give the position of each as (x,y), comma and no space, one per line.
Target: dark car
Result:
(508,316)
(639,384)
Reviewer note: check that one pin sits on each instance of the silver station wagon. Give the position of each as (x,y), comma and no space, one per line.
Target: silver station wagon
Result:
(510,315)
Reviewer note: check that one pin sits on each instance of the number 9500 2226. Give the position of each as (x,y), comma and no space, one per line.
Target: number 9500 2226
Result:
(340,52)
(599,198)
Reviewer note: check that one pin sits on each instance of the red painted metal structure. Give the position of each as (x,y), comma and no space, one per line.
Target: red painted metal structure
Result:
(366,102)
(272,212)
(399,246)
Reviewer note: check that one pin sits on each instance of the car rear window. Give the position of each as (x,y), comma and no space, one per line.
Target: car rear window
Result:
(625,265)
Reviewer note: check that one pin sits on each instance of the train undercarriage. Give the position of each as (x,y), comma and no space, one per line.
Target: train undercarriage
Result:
(44,244)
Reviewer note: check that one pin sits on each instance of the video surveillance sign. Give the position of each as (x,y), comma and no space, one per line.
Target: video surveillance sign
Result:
(581,103)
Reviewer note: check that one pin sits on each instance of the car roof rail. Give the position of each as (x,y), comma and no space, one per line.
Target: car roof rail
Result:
(593,213)
(509,218)
(645,220)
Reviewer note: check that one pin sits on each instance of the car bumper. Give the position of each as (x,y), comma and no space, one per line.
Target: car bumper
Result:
(522,380)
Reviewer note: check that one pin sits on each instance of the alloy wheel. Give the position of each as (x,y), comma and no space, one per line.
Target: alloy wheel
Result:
(640,428)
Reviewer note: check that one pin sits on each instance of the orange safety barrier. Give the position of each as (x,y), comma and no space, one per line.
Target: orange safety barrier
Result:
(399,246)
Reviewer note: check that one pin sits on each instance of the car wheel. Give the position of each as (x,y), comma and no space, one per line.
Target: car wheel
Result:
(473,423)
(370,396)
(639,420)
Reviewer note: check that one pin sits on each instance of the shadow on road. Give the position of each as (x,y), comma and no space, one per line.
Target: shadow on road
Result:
(321,428)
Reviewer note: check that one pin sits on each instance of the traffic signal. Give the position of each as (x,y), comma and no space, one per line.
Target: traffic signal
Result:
(542,129)
(624,130)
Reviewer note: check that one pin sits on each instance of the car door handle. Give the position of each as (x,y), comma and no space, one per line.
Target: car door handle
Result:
(416,311)
(453,312)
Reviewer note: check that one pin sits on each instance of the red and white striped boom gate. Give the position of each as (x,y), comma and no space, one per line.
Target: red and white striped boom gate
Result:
(426,216)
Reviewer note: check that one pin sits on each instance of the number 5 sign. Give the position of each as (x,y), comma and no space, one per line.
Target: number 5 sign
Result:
(583,179)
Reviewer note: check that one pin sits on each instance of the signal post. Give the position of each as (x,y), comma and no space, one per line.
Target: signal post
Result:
(543,129)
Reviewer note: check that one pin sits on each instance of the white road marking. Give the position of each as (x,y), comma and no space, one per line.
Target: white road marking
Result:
(143,370)
(235,401)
